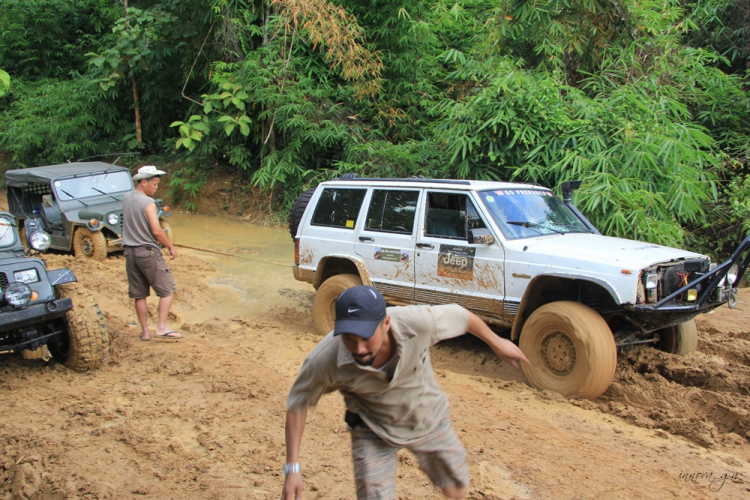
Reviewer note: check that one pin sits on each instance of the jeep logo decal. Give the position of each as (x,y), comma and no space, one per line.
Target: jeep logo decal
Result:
(456,262)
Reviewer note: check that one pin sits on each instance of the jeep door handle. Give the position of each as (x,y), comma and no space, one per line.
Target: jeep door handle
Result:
(366,238)
(425,245)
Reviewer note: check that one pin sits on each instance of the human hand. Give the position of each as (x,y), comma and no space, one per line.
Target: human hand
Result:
(173,253)
(508,351)
(292,487)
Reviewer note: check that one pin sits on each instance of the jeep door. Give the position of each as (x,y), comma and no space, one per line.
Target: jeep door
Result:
(448,268)
(385,241)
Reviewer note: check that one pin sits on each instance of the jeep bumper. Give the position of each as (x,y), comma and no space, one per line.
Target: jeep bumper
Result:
(709,290)
(115,244)
(32,315)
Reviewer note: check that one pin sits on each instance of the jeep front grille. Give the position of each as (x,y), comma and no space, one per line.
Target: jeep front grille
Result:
(3,281)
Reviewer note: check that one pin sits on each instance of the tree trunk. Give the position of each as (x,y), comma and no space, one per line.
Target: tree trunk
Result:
(138,133)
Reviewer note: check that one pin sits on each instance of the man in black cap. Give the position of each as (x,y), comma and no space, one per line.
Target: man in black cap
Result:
(379,359)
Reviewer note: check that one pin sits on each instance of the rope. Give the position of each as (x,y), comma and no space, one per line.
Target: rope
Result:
(208,250)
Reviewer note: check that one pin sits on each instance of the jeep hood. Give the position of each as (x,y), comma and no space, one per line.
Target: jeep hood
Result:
(95,208)
(594,248)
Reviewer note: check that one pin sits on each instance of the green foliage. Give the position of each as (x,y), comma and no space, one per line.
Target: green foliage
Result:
(134,38)
(81,125)
(48,38)
(4,82)
(727,221)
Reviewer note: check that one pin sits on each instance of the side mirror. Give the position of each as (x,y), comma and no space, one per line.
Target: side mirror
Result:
(481,236)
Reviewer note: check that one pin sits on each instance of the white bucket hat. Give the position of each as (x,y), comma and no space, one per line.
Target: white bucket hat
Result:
(147,172)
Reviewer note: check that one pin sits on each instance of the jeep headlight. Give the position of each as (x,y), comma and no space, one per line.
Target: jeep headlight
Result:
(26,276)
(652,284)
(732,274)
(113,219)
(40,241)
(17,294)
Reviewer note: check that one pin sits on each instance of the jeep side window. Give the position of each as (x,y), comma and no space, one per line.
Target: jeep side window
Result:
(392,211)
(338,208)
(450,215)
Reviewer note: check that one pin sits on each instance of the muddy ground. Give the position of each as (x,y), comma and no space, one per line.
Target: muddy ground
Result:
(204,417)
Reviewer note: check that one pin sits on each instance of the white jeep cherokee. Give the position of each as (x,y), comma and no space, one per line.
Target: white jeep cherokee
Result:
(518,257)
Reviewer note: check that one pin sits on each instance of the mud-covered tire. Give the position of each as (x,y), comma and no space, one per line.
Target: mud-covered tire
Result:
(86,346)
(167,228)
(679,339)
(90,244)
(324,306)
(571,350)
(298,209)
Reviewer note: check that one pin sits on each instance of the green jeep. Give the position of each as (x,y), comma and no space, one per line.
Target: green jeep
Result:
(43,311)
(79,205)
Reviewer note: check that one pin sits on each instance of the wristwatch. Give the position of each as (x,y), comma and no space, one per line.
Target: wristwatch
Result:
(290,469)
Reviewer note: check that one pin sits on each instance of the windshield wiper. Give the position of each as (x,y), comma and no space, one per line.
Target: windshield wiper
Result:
(74,198)
(108,194)
(534,225)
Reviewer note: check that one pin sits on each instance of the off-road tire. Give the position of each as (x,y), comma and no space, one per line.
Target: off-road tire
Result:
(87,343)
(571,350)
(324,306)
(679,339)
(90,244)
(298,209)
(167,228)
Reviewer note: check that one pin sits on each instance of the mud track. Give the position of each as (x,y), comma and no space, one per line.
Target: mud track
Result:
(203,417)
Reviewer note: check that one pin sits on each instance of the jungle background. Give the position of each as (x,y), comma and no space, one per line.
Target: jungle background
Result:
(646,101)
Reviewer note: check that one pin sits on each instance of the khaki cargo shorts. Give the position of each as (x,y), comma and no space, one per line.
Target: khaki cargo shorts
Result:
(147,269)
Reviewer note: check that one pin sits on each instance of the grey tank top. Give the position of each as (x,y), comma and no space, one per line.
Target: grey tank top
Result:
(136,231)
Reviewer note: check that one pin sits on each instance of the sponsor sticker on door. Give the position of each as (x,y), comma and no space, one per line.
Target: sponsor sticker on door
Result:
(391,255)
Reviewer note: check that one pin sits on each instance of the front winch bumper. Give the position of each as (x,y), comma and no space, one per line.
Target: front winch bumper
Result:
(709,290)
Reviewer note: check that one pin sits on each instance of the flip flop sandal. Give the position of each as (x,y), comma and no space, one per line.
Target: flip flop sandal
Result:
(168,335)
(144,338)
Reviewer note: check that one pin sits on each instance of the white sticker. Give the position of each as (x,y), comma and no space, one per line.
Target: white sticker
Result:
(57,183)
(489,198)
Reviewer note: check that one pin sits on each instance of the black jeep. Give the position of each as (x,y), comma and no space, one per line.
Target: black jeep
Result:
(45,308)
(78,204)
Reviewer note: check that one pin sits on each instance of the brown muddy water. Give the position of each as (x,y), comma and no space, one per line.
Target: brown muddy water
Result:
(242,286)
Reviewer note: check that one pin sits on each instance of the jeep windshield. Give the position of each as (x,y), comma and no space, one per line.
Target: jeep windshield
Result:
(105,183)
(7,235)
(525,213)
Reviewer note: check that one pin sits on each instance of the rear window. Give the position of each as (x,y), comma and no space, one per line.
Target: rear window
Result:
(338,208)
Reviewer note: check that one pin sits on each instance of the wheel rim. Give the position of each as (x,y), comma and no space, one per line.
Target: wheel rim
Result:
(87,246)
(559,354)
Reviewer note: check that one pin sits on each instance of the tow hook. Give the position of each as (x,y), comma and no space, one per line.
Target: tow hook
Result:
(732,302)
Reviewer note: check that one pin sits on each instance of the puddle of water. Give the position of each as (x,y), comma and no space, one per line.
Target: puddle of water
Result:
(241,286)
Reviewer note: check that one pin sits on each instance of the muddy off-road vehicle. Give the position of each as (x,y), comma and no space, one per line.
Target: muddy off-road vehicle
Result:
(78,204)
(45,308)
(518,257)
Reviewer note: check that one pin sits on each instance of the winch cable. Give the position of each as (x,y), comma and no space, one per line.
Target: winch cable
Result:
(208,250)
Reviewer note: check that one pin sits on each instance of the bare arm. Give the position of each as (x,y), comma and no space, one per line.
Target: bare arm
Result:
(295,427)
(503,348)
(157,231)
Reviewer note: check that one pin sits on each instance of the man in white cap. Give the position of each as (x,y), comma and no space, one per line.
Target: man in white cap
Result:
(145,266)
(379,359)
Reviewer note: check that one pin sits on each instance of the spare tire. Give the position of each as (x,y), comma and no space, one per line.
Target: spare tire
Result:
(298,209)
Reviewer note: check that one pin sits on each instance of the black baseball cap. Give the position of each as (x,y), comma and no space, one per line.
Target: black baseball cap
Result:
(359,310)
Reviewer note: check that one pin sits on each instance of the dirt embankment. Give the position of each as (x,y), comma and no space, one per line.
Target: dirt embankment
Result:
(203,417)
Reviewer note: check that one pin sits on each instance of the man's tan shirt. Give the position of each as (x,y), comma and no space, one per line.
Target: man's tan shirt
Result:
(402,409)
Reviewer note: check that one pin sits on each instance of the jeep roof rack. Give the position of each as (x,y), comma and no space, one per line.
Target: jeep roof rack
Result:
(346,177)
